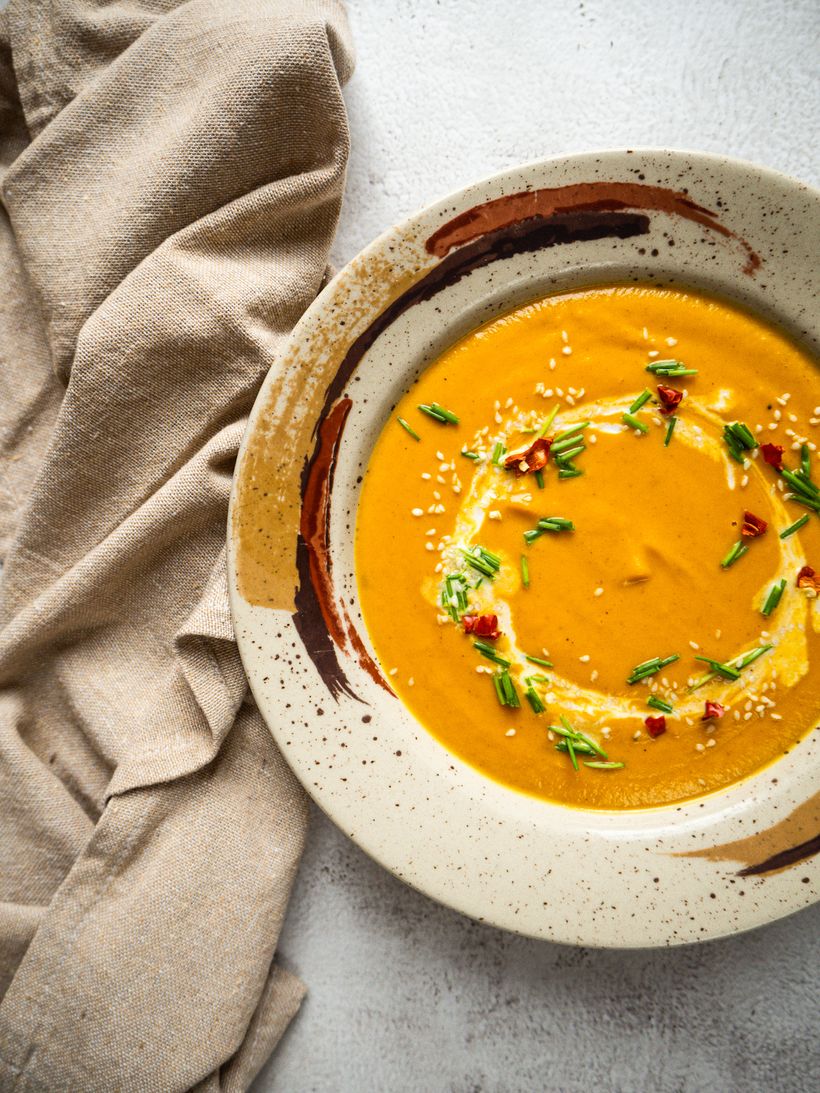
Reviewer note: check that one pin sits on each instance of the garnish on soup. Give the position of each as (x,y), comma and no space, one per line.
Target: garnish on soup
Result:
(631,597)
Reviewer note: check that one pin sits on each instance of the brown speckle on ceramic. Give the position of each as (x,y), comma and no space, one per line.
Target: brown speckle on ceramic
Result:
(654,877)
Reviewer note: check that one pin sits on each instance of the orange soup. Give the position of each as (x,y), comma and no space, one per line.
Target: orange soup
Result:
(585,543)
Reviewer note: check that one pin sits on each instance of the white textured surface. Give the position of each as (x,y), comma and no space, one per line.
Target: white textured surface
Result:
(403,994)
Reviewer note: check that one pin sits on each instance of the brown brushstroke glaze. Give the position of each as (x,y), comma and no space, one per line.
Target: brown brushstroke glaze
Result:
(793,840)
(580,197)
(322,622)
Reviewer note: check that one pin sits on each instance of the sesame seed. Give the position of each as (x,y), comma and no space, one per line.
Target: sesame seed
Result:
(792,417)
(605,731)
(426,476)
(593,675)
(736,715)
(775,717)
(439,457)
(494,514)
(599,591)
(438,569)
(585,658)
(694,645)
(645,334)
(429,546)
(636,734)
(566,351)
(711,743)
(653,353)
(698,746)
(744,480)
(747,717)
(510,732)
(701,781)
(393,672)
(564,337)
(671,341)
(718,633)
(417,512)
(552,363)
(777,415)
(410,681)
(592,438)
(772,425)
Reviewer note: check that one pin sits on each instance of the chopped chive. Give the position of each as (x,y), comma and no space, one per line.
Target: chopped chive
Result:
(408,429)
(659,704)
(498,451)
(808,489)
(805,461)
(807,502)
(670,368)
(633,422)
(569,472)
(537,677)
(482,560)
(739,438)
(609,765)
(508,687)
(751,656)
(490,653)
(525,571)
(565,445)
(563,458)
(796,526)
(571,431)
(548,421)
(539,479)
(737,552)
(670,428)
(474,456)
(775,593)
(641,400)
(725,670)
(739,662)
(561,731)
(499,691)
(578,745)
(590,743)
(650,667)
(448,415)
(538,660)
(534,700)
(438,413)
(571,750)
(548,523)
(556,523)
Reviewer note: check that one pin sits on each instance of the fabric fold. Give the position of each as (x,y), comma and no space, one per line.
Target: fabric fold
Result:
(171,176)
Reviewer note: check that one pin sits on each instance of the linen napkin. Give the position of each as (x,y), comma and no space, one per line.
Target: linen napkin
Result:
(171,175)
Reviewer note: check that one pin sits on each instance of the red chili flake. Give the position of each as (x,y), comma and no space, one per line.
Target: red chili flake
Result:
(534,457)
(670,397)
(808,579)
(483,626)
(752,525)
(714,711)
(655,726)
(773,455)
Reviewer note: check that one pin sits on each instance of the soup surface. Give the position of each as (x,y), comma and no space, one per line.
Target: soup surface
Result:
(596,584)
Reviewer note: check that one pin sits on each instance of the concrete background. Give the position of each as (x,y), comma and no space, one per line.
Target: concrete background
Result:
(405,995)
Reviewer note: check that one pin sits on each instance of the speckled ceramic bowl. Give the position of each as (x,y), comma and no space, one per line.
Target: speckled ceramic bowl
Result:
(706,868)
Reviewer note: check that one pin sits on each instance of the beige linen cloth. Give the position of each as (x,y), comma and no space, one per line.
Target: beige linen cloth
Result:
(171,177)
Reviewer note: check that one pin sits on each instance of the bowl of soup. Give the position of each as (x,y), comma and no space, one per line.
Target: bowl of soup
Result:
(525,546)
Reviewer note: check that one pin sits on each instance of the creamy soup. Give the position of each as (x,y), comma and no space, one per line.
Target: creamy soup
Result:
(585,543)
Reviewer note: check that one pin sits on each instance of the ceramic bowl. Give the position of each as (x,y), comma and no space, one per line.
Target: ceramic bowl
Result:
(702,869)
